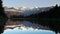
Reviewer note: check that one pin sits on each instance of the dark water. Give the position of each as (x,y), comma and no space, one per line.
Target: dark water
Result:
(26,27)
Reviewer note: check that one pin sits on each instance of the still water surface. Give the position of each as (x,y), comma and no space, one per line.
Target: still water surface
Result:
(26,27)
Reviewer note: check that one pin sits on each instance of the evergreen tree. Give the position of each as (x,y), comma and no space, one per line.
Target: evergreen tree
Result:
(3,18)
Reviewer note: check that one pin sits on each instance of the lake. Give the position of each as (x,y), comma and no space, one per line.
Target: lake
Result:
(25,27)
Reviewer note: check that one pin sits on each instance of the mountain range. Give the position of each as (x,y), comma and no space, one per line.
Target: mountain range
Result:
(25,11)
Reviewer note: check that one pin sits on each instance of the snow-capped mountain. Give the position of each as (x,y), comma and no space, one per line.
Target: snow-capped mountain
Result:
(32,10)
(25,10)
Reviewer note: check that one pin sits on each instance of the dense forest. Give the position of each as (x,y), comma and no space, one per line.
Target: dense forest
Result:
(52,13)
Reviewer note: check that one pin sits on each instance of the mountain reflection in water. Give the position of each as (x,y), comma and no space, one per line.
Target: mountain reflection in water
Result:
(19,31)
(25,27)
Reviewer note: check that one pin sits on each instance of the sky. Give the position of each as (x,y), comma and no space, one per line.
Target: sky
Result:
(30,3)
